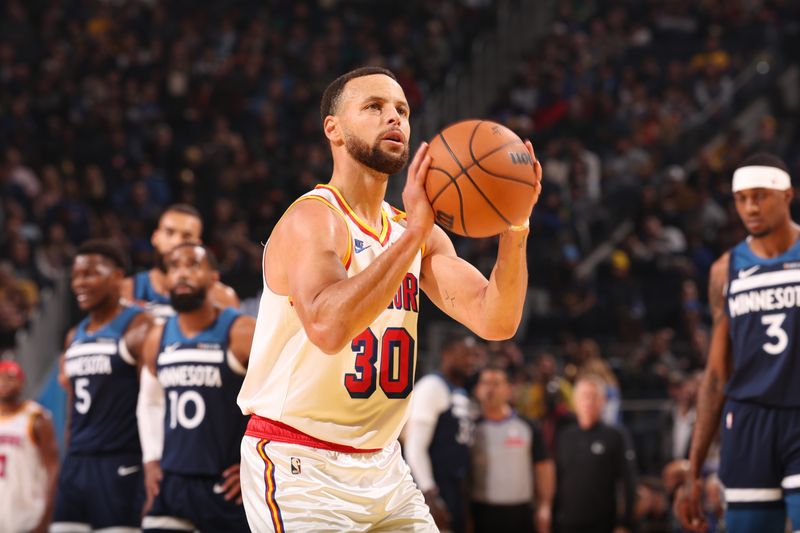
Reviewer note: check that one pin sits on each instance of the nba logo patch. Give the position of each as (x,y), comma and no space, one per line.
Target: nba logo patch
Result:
(295,462)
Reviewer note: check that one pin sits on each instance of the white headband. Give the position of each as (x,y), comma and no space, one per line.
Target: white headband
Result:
(761,177)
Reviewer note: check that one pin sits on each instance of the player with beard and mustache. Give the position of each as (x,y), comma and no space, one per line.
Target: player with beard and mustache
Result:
(178,224)
(752,374)
(332,364)
(100,484)
(188,417)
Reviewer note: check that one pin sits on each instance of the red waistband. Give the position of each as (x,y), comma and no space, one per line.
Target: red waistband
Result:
(264,428)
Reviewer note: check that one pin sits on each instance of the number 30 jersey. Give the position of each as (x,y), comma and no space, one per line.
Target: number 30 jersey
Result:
(359,397)
(763,306)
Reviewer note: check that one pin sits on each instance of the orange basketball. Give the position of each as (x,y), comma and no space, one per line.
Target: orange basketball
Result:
(481,179)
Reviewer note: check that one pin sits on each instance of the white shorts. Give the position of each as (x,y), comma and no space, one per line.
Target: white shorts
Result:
(290,487)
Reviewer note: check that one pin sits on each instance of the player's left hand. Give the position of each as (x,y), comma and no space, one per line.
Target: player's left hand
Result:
(537,172)
(231,486)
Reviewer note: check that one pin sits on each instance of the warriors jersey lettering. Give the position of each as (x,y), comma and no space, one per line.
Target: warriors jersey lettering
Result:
(763,305)
(358,398)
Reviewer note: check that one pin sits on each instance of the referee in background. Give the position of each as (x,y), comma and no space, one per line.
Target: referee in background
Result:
(594,463)
(513,478)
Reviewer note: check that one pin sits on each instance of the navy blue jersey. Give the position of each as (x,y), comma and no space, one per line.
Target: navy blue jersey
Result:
(763,304)
(105,386)
(201,379)
(143,291)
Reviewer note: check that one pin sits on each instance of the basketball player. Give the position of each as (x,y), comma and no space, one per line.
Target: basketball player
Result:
(28,457)
(752,375)
(101,483)
(332,364)
(199,357)
(178,224)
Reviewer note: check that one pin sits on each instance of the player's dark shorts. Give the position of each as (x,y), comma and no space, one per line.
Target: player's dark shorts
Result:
(189,503)
(760,455)
(99,491)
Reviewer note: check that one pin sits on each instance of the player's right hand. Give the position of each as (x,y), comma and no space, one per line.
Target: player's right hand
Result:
(688,506)
(419,212)
(152,483)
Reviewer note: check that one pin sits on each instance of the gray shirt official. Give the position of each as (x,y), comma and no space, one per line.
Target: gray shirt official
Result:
(503,455)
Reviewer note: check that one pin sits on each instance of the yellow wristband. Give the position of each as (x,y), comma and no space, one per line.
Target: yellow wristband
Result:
(520,227)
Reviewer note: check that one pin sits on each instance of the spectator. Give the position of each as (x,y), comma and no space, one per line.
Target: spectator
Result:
(439,433)
(513,477)
(592,460)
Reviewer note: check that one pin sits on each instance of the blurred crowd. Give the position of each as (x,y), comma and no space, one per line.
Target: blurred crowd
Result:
(110,111)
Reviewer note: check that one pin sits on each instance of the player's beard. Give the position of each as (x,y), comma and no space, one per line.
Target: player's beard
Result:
(373,157)
(188,301)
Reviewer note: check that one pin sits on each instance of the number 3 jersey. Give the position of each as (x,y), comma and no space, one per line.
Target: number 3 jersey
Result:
(359,397)
(763,306)
(201,377)
(105,385)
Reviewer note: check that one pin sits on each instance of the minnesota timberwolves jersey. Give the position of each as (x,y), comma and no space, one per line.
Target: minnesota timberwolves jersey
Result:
(453,435)
(105,387)
(762,300)
(203,426)
(156,304)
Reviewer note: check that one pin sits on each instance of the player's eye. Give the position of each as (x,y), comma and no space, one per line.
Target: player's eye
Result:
(374,105)
(402,111)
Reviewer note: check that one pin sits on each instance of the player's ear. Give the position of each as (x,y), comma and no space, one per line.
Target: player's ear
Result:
(332,130)
(789,195)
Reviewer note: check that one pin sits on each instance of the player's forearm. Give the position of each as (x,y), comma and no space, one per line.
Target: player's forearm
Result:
(346,308)
(710,400)
(502,301)
(545,484)
(150,412)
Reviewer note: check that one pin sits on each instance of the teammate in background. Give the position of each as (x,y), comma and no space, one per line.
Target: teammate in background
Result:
(513,477)
(28,457)
(439,433)
(190,424)
(752,374)
(332,366)
(101,485)
(180,223)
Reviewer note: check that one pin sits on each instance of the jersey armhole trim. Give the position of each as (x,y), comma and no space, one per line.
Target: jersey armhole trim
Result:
(125,353)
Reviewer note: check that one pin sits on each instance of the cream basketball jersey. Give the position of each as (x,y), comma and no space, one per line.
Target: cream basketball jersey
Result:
(359,397)
(22,476)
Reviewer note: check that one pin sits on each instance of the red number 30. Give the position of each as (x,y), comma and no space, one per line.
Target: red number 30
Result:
(397,364)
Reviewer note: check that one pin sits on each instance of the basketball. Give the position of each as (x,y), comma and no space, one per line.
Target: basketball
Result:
(481,180)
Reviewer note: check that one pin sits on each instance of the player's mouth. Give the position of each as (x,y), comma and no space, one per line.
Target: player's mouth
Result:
(183,288)
(395,137)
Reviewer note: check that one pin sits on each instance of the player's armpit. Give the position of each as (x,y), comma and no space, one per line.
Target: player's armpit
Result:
(126,289)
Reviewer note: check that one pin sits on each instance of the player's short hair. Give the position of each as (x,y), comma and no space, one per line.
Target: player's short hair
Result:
(185,209)
(107,249)
(764,159)
(333,92)
(210,257)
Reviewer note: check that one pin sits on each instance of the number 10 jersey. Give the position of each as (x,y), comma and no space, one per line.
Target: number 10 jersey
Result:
(763,304)
(359,397)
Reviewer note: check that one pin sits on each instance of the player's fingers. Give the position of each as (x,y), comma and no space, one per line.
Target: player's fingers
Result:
(422,172)
(529,146)
(417,160)
(233,491)
(233,469)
